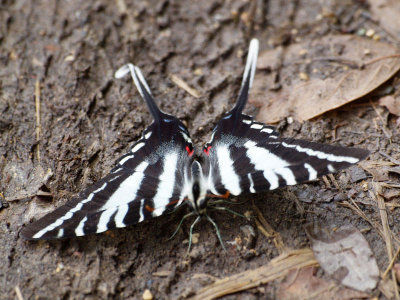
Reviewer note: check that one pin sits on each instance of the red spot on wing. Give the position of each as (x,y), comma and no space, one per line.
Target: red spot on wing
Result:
(149,208)
(224,196)
(190,152)
(207,150)
(173,202)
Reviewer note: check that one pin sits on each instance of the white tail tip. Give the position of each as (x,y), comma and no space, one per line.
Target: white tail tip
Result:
(125,69)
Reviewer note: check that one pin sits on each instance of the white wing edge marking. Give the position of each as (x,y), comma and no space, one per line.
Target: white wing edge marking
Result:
(79,229)
(246,121)
(186,137)
(68,214)
(212,137)
(60,233)
(128,157)
(228,176)
(119,217)
(288,175)
(147,135)
(141,210)
(251,188)
(257,126)
(125,193)
(323,155)
(311,171)
(267,130)
(331,168)
(165,188)
(137,147)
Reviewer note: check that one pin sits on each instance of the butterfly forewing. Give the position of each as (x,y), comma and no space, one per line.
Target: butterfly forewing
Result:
(146,182)
(245,156)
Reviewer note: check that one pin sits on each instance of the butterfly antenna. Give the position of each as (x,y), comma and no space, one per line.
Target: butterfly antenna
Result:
(248,77)
(217,231)
(142,87)
(191,233)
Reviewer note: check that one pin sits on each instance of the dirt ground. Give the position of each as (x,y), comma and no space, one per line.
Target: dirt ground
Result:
(67,51)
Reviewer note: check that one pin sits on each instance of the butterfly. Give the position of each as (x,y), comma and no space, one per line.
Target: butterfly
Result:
(161,170)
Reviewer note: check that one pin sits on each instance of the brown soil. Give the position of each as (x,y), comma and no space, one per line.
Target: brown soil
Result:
(88,119)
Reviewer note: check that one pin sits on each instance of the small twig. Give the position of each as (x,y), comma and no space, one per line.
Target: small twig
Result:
(333,179)
(335,59)
(386,230)
(38,126)
(377,226)
(384,129)
(183,85)
(390,266)
(39,193)
(18,293)
(275,269)
(372,61)
(268,231)
(326,181)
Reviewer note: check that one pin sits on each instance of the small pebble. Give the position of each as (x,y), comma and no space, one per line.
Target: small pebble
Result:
(304,76)
(370,33)
(195,238)
(147,295)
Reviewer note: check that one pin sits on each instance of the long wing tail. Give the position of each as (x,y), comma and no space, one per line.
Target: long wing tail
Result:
(248,77)
(142,87)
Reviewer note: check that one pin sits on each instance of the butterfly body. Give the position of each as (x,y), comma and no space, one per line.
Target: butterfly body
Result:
(161,171)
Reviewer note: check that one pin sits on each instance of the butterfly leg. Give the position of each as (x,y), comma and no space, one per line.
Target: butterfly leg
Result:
(223,201)
(180,224)
(191,233)
(217,231)
(228,210)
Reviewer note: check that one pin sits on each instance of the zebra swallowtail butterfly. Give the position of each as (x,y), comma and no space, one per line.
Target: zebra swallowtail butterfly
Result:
(160,172)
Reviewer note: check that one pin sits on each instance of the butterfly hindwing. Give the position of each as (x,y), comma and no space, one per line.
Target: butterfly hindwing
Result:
(240,165)
(146,182)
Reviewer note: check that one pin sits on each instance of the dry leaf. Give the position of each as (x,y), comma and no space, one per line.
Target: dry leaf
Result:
(391,103)
(342,68)
(346,256)
(302,284)
(378,169)
(386,288)
(387,12)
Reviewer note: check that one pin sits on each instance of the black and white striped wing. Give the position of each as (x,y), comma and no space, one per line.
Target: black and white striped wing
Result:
(245,156)
(147,182)
(240,165)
